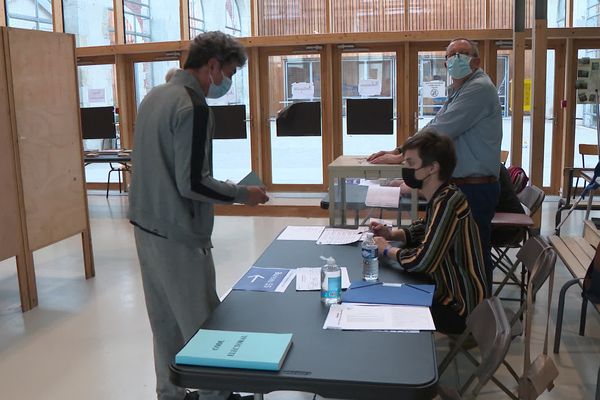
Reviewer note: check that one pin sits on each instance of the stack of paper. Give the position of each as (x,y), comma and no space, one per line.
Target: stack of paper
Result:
(301,233)
(341,236)
(383,196)
(378,317)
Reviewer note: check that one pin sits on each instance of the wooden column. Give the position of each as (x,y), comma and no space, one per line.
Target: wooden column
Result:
(538,110)
(265,125)
(490,60)
(327,127)
(336,82)
(119,22)
(58,24)
(184,16)
(568,112)
(569,13)
(518,67)
(256,128)
(2,13)
(538,89)
(126,99)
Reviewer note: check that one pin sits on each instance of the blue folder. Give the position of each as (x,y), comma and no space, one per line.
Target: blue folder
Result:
(381,293)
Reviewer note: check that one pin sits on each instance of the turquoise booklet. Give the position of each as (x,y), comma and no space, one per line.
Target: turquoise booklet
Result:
(229,349)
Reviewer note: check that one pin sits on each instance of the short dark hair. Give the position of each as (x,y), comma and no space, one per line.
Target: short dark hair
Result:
(434,147)
(474,46)
(222,46)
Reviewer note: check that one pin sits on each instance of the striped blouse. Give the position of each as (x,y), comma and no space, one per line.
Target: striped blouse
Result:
(450,252)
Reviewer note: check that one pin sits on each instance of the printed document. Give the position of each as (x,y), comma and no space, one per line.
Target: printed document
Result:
(341,236)
(308,278)
(383,196)
(377,317)
(301,233)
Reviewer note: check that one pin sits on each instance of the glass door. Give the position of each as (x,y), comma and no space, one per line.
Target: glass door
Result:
(369,108)
(293,108)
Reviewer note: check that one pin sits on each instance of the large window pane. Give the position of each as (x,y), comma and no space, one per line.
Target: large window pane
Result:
(229,16)
(586,13)
(586,119)
(368,76)
(92,21)
(150,74)
(29,14)
(232,157)
(295,80)
(97,89)
(147,21)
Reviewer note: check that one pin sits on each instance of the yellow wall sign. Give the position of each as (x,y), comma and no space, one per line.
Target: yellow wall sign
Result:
(526,95)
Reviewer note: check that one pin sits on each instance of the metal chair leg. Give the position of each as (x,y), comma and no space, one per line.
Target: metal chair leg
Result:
(561,310)
(582,317)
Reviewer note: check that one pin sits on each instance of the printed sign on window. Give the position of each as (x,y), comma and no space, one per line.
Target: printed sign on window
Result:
(369,87)
(303,90)
(434,89)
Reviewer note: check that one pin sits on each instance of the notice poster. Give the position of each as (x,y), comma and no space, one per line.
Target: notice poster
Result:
(588,80)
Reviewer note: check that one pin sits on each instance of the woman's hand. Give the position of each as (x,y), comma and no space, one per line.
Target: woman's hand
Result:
(380,230)
(381,244)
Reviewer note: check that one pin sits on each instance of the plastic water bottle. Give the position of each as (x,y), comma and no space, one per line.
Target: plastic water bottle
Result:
(331,282)
(370,261)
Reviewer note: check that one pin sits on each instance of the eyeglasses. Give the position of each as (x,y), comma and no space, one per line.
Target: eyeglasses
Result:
(458,55)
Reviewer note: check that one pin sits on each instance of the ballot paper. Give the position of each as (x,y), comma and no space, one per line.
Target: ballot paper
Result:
(301,233)
(308,278)
(383,196)
(377,318)
(341,236)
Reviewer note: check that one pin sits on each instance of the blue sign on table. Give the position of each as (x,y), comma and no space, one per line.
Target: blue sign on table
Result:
(261,279)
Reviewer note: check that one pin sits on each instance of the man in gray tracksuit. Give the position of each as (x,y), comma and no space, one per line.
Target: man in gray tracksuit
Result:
(172,196)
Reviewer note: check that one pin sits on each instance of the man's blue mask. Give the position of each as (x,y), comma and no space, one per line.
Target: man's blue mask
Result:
(215,91)
(459,66)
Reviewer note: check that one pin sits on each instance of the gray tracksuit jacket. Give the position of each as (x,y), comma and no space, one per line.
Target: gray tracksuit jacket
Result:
(172,190)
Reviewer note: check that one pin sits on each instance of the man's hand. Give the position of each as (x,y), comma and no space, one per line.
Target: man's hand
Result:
(389,158)
(379,154)
(380,230)
(256,195)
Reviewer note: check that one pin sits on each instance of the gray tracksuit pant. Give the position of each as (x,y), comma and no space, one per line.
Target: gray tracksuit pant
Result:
(180,291)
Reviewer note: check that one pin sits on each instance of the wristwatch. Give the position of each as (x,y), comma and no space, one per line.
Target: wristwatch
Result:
(385,251)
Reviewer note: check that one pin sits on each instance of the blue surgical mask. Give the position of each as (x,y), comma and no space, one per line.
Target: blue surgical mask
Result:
(215,91)
(459,66)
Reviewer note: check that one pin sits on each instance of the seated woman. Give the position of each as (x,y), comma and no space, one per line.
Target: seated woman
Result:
(446,246)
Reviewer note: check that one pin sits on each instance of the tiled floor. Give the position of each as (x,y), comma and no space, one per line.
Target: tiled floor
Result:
(91,339)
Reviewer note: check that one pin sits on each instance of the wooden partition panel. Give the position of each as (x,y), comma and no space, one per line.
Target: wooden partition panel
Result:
(47,113)
(9,207)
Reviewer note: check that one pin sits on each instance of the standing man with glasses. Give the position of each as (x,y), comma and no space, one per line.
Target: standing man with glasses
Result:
(472,118)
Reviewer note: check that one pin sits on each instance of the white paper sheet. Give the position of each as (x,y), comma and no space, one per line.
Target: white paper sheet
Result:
(309,278)
(301,233)
(379,317)
(383,196)
(341,236)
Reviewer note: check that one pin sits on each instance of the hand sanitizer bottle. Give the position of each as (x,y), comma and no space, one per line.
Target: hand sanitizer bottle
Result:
(331,282)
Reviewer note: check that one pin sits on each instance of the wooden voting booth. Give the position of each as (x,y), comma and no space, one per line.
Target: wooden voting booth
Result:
(43,198)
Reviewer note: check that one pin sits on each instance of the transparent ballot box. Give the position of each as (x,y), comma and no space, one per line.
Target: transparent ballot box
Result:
(359,191)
